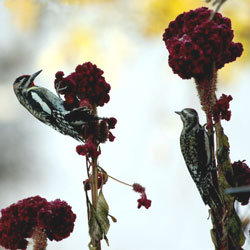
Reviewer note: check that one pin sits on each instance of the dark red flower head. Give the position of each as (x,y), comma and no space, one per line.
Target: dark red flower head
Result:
(221,108)
(195,44)
(18,221)
(86,82)
(57,219)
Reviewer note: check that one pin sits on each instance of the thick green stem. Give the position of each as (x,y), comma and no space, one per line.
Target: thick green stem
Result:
(231,228)
(226,233)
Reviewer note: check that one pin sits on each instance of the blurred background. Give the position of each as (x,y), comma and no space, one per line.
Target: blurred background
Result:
(123,38)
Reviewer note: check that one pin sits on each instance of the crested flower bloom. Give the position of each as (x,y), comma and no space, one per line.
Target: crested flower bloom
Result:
(57,219)
(241,177)
(196,44)
(86,84)
(143,201)
(18,221)
(221,108)
(86,87)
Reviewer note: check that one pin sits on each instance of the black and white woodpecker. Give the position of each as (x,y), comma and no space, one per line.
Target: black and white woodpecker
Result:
(197,152)
(49,108)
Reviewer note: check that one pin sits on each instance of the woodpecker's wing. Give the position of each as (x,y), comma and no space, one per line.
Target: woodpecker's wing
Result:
(80,116)
(196,152)
(203,148)
(37,106)
(51,112)
(39,94)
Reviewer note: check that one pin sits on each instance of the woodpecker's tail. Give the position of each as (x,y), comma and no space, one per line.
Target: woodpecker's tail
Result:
(214,198)
(209,192)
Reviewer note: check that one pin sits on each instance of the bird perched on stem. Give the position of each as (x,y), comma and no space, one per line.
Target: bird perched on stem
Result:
(197,152)
(50,109)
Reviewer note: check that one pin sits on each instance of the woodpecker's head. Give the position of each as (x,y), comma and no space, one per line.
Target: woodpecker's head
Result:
(189,117)
(25,81)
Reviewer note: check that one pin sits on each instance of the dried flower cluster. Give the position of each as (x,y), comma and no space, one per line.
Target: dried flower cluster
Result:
(19,221)
(196,44)
(221,108)
(143,201)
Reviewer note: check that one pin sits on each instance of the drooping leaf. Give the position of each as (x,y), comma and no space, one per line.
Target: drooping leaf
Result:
(95,230)
(102,211)
(99,222)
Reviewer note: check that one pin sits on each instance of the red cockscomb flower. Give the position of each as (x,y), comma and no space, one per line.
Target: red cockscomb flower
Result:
(18,221)
(86,82)
(86,87)
(57,219)
(196,44)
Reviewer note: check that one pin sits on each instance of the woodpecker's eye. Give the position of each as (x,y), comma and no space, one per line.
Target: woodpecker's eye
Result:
(23,78)
(183,113)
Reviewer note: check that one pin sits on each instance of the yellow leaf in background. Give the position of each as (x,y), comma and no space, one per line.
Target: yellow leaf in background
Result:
(158,13)
(80,43)
(83,1)
(74,45)
(25,13)
(238,12)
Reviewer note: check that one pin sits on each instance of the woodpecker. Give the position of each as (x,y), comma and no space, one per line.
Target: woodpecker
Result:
(49,108)
(197,152)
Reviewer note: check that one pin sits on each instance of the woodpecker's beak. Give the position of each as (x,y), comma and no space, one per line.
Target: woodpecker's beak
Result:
(32,78)
(178,112)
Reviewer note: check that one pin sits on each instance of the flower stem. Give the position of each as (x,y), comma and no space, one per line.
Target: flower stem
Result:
(122,182)
(219,4)
(231,233)
(94,189)
(94,193)
(226,232)
(40,239)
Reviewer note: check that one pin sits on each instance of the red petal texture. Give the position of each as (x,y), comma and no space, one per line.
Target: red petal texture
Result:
(19,220)
(86,82)
(195,44)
